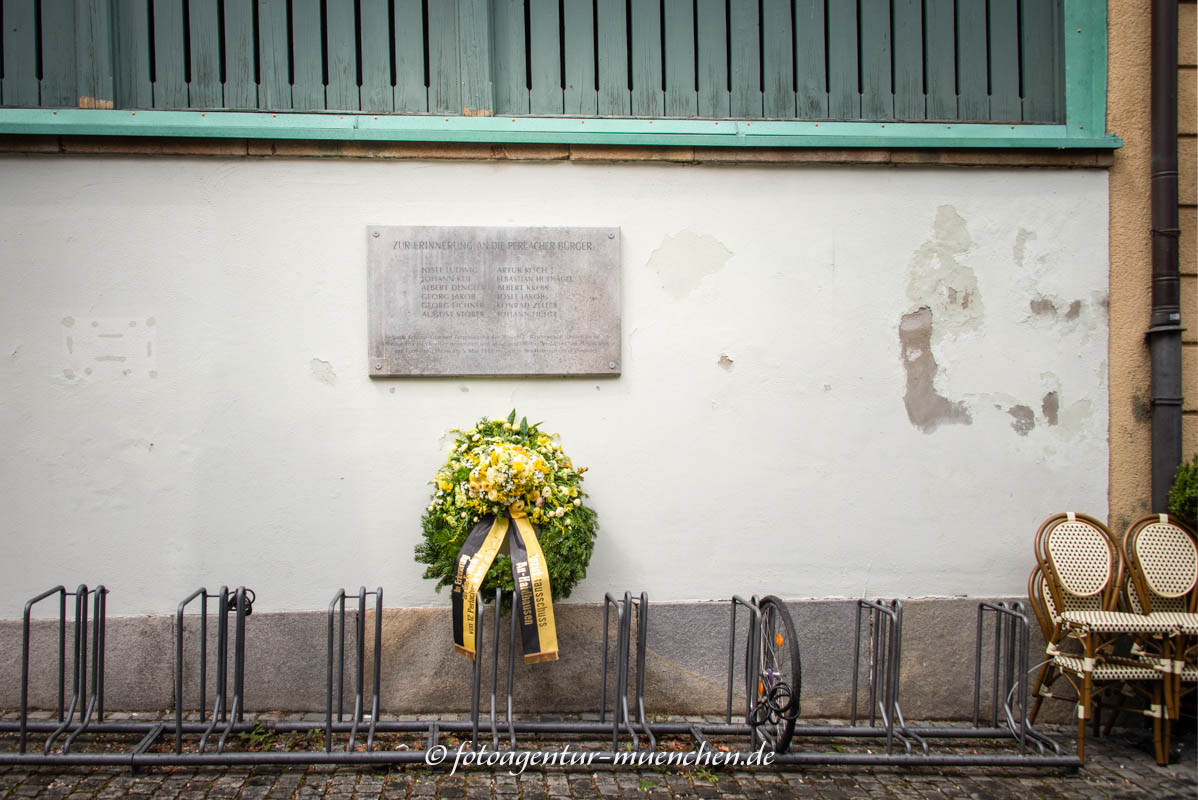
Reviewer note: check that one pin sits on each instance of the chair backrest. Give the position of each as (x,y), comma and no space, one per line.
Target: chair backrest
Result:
(1080,562)
(1162,556)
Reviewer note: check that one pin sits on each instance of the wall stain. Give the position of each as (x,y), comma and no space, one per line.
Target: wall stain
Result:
(926,409)
(683,260)
(1019,250)
(725,362)
(1024,419)
(323,371)
(1043,307)
(1075,310)
(1050,406)
(1141,407)
(939,281)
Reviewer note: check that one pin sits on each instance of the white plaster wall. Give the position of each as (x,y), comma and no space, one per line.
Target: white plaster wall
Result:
(259,451)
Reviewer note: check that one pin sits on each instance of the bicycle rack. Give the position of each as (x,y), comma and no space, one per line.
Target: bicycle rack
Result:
(628,726)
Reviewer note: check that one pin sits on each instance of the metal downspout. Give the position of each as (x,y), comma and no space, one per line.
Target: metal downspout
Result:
(1164,333)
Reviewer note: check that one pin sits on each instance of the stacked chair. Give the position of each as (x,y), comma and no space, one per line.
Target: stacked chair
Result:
(1117,619)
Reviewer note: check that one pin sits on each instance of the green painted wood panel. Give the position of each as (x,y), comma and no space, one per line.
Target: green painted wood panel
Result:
(1085,59)
(444,77)
(681,96)
(844,99)
(1040,61)
(133,88)
(474,55)
(940,67)
(94,69)
(973,101)
(615,99)
(204,88)
(58,54)
(1005,105)
(341,58)
(307,86)
(877,97)
(170,81)
(777,59)
(510,75)
(376,92)
(411,92)
(907,22)
(581,96)
(241,91)
(648,95)
(20,85)
(811,89)
(545,57)
(745,36)
(712,32)
(274,58)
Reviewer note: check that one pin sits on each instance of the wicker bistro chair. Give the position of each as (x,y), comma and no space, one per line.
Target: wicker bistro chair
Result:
(1082,573)
(1123,676)
(1162,556)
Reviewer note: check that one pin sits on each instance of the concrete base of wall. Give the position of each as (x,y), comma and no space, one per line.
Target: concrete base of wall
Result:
(686,667)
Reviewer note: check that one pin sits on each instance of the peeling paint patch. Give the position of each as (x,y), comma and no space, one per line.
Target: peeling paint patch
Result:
(1019,251)
(1043,307)
(1024,420)
(323,371)
(926,409)
(1075,310)
(725,362)
(463,388)
(1050,406)
(685,259)
(939,281)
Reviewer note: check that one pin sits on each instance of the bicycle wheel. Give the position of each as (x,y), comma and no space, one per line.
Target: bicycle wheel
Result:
(776,701)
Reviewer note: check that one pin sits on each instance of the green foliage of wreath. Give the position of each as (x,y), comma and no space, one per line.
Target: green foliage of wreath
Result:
(491,466)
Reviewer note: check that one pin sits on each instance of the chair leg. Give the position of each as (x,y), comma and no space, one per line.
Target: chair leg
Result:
(1040,683)
(1083,710)
(1160,728)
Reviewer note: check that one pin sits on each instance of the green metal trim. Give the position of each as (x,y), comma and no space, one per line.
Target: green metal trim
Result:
(1085,68)
(542,130)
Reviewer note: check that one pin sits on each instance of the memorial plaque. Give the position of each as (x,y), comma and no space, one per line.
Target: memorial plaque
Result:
(493,301)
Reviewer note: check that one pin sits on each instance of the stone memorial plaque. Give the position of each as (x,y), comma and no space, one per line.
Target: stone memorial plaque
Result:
(474,301)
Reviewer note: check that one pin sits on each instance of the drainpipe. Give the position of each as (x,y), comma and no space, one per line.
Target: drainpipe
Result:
(1164,335)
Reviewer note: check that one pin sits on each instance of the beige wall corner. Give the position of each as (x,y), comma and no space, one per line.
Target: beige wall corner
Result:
(1128,115)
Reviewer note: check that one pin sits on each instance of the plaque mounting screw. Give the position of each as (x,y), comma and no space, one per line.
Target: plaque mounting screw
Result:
(611,236)
(375,234)
(378,366)
(611,365)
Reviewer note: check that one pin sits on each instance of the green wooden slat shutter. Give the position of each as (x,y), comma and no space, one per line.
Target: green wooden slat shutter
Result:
(274,59)
(810,63)
(908,59)
(444,77)
(1041,70)
(58,53)
(877,99)
(746,58)
(133,89)
(648,97)
(777,60)
(93,54)
(972,99)
(240,89)
(411,93)
(1004,61)
(679,21)
(510,75)
(307,88)
(614,96)
(170,84)
(474,55)
(581,97)
(204,89)
(341,54)
(376,93)
(714,99)
(940,68)
(20,53)
(844,101)
(545,62)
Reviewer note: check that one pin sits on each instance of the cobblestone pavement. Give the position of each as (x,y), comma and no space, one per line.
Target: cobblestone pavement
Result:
(1117,766)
